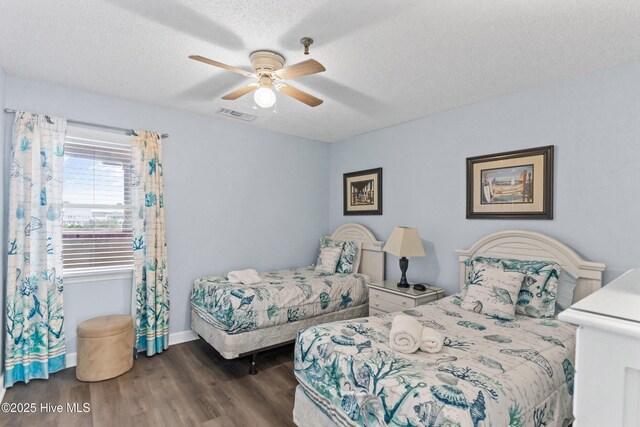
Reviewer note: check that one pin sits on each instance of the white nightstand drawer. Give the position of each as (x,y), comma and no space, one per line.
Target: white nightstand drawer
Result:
(386,306)
(386,297)
(405,302)
(373,311)
(427,299)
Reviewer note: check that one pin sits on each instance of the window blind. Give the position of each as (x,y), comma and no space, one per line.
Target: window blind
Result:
(96,233)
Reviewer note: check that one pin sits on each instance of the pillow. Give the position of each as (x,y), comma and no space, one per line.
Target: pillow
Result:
(328,260)
(537,296)
(325,242)
(493,291)
(472,263)
(350,260)
(564,296)
(356,264)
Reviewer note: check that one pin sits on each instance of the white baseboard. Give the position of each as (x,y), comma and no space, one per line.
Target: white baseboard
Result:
(180,337)
(72,358)
(175,338)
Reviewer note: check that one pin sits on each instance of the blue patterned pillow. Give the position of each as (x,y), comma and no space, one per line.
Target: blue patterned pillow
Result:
(471,264)
(348,257)
(493,291)
(537,297)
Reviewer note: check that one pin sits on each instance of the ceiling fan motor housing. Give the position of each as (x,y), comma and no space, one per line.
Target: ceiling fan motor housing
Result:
(266,61)
(265,81)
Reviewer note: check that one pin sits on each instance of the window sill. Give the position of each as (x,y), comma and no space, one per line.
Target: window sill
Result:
(97,276)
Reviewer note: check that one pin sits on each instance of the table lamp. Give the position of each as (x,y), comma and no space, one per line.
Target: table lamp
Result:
(404,242)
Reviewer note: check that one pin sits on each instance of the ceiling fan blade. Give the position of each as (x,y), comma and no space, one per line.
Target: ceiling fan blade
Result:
(221,65)
(301,96)
(301,69)
(240,92)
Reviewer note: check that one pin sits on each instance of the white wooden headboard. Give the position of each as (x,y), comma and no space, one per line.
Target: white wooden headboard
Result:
(371,256)
(529,245)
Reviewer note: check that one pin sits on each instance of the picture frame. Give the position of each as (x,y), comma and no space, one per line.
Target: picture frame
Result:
(511,185)
(362,192)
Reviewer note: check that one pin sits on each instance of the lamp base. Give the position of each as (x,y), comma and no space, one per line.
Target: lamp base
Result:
(404,265)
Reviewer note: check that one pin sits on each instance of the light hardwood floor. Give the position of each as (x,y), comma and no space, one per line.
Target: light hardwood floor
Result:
(190,384)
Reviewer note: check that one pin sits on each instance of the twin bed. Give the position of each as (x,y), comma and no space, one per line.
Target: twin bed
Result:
(490,371)
(242,320)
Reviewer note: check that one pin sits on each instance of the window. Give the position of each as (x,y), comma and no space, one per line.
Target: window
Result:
(96,230)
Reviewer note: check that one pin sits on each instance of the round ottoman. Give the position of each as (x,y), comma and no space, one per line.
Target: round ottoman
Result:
(105,347)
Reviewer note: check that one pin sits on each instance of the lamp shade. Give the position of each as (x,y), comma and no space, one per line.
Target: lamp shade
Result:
(403,242)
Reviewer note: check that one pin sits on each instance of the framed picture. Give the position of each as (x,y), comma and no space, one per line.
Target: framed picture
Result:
(512,185)
(363,192)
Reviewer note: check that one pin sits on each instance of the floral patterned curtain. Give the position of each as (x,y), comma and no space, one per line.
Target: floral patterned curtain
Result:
(149,244)
(34,317)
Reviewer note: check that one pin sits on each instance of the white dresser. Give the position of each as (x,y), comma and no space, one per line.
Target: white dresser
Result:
(607,381)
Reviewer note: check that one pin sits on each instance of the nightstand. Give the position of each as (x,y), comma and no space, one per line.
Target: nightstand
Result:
(387,297)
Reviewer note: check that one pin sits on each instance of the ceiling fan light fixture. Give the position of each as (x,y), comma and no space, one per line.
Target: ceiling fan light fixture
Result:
(264,97)
(268,69)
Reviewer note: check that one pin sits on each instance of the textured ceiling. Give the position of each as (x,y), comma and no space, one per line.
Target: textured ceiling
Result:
(387,61)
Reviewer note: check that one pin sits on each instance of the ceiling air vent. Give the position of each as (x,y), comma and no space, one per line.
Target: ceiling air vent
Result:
(236,114)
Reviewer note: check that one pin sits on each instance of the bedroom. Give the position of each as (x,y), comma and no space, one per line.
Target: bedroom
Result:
(414,88)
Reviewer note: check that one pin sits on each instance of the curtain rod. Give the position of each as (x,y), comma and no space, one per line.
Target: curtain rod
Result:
(96,125)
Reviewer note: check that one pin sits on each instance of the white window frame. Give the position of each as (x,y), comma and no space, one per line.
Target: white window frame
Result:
(99,274)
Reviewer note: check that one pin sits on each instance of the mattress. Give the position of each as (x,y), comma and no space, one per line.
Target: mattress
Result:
(490,371)
(231,346)
(285,296)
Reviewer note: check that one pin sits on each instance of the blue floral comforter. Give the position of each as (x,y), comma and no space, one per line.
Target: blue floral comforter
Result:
(489,373)
(285,296)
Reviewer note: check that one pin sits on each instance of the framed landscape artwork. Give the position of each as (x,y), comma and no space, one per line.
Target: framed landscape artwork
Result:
(363,192)
(511,185)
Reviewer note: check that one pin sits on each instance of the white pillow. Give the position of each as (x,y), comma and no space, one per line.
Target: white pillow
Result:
(493,291)
(328,260)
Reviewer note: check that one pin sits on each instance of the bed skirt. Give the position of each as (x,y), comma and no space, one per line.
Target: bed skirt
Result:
(231,346)
(307,414)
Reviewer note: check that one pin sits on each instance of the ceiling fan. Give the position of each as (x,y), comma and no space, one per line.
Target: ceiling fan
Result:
(268,70)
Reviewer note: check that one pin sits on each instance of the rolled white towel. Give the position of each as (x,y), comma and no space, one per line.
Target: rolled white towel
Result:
(405,334)
(246,277)
(431,341)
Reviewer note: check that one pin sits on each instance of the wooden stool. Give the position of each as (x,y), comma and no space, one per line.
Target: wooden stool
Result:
(105,347)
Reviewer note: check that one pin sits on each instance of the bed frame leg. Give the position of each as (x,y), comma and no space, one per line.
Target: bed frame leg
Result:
(253,370)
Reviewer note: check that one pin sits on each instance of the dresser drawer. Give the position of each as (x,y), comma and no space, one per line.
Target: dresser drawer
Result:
(386,306)
(405,302)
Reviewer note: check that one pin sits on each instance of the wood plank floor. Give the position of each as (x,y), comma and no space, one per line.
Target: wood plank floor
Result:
(190,384)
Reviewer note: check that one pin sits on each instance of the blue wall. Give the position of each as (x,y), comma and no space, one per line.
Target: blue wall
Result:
(241,197)
(237,196)
(594,123)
